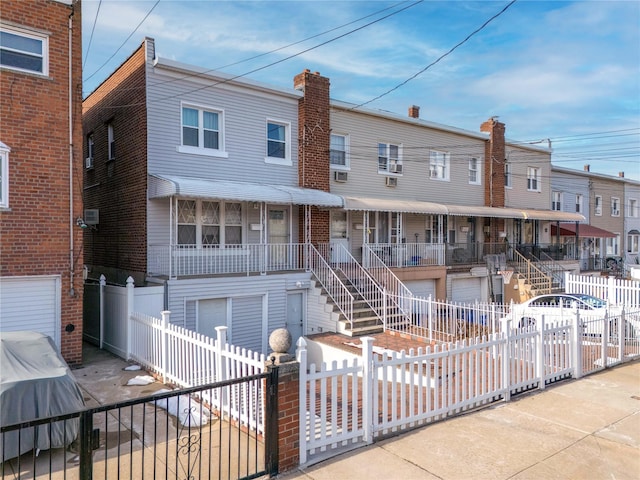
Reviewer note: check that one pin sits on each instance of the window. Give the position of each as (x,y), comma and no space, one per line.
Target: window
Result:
(597,205)
(4,175)
(278,143)
(632,211)
(208,223)
(23,50)
(507,175)
(578,203)
(615,207)
(474,171)
(338,152)
(633,243)
(389,158)
(613,245)
(111,142)
(439,165)
(202,131)
(556,201)
(533,179)
(90,146)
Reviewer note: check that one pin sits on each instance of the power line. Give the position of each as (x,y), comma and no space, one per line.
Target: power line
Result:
(126,40)
(93,29)
(439,58)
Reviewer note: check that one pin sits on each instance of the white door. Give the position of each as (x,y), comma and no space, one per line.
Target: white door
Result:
(295,318)
(278,231)
(466,290)
(31,303)
(212,313)
(339,236)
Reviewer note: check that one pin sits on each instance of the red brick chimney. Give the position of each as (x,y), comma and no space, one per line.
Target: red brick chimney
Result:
(414,111)
(314,142)
(494,163)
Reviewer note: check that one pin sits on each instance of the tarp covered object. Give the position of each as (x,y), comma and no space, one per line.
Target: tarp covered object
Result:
(35,382)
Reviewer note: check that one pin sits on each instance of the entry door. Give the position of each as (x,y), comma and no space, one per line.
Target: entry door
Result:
(212,313)
(295,318)
(339,235)
(278,231)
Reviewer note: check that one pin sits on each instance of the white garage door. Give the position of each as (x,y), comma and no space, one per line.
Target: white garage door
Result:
(422,288)
(31,303)
(466,290)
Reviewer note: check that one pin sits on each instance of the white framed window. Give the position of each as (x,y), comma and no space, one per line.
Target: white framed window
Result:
(339,151)
(24,50)
(111,142)
(90,148)
(474,171)
(4,175)
(206,223)
(615,207)
(579,201)
(439,165)
(278,143)
(556,201)
(389,158)
(533,179)
(507,175)
(632,210)
(612,245)
(597,205)
(633,243)
(202,131)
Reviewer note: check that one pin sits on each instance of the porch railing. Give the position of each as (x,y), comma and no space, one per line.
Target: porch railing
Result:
(328,278)
(551,268)
(534,276)
(407,254)
(182,260)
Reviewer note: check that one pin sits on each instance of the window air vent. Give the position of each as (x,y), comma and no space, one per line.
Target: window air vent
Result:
(391,181)
(340,176)
(91,216)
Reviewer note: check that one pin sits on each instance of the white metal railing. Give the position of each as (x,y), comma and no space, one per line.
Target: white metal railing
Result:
(333,285)
(187,359)
(408,254)
(614,290)
(372,293)
(180,260)
(383,392)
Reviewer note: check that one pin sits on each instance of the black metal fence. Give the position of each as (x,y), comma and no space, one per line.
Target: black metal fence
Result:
(172,435)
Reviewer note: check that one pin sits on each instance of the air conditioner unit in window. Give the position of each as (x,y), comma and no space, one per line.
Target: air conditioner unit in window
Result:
(88,162)
(391,181)
(91,216)
(340,176)
(397,168)
(434,174)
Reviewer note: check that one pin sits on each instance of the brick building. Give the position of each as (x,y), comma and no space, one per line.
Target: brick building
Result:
(41,265)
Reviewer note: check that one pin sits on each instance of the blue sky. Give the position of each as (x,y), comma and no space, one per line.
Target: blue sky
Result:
(558,70)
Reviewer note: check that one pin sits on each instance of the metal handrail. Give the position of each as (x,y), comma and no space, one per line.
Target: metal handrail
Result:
(330,281)
(551,267)
(533,275)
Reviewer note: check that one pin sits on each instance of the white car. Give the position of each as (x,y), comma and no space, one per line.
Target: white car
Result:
(560,307)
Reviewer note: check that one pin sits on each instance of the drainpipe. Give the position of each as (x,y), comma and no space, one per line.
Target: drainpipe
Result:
(72,291)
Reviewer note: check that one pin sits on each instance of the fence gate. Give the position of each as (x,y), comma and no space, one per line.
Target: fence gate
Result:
(172,435)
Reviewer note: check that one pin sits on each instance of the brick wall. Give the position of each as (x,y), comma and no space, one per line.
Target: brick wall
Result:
(314,140)
(36,229)
(494,163)
(118,187)
(288,417)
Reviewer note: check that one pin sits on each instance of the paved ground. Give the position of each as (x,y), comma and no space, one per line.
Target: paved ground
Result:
(577,429)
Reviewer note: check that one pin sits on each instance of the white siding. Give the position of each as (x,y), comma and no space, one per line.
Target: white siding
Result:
(422,288)
(247,323)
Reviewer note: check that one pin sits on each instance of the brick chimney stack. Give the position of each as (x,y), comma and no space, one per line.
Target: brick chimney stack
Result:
(414,111)
(494,163)
(587,168)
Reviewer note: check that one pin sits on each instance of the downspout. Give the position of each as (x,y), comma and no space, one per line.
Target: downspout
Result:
(72,291)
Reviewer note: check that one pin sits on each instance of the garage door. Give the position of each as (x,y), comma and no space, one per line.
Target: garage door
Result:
(31,303)
(466,290)
(422,288)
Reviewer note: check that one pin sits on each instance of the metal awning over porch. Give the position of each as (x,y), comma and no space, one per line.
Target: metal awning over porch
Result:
(164,186)
(392,205)
(552,215)
(584,231)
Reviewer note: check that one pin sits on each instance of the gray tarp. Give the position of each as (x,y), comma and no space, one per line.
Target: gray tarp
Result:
(35,382)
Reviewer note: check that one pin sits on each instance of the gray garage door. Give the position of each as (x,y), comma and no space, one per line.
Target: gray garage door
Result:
(466,290)
(31,303)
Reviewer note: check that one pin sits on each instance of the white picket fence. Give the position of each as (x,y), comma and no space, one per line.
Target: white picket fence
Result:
(614,290)
(187,359)
(346,405)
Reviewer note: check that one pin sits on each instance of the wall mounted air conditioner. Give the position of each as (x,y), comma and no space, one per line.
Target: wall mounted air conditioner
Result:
(340,176)
(397,168)
(91,216)
(88,162)
(391,181)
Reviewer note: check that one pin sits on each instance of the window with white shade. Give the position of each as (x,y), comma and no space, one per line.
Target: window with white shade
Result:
(597,205)
(439,165)
(632,210)
(474,171)
(615,207)
(389,158)
(4,176)
(533,179)
(338,153)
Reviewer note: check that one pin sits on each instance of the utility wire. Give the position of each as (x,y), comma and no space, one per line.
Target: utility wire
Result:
(126,40)
(93,29)
(440,58)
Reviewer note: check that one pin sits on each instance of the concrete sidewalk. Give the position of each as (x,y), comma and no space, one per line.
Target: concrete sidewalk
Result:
(577,429)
